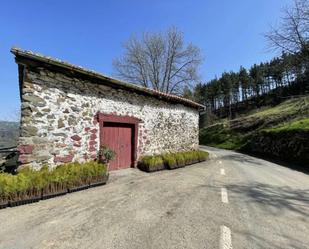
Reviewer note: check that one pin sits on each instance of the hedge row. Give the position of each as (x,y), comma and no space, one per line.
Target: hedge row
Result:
(171,160)
(30,185)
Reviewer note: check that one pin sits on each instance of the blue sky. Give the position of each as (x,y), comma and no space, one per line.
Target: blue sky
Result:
(91,33)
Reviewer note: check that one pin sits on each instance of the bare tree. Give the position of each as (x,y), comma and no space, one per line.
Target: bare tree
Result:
(292,35)
(160,61)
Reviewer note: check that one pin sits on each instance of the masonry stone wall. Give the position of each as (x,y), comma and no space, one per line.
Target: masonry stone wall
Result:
(59,123)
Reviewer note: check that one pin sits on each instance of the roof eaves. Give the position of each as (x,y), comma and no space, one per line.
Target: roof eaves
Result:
(36,56)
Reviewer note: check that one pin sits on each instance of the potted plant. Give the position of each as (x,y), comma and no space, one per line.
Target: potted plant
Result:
(202,155)
(190,157)
(180,159)
(151,163)
(170,161)
(106,154)
(4,201)
(77,177)
(195,156)
(57,182)
(98,174)
(19,190)
(36,183)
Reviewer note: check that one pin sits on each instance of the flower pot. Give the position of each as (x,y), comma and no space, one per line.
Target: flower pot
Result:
(157,167)
(195,161)
(14,203)
(148,168)
(53,190)
(77,188)
(188,162)
(25,197)
(21,198)
(55,194)
(17,203)
(181,165)
(82,184)
(4,203)
(102,160)
(98,180)
(172,166)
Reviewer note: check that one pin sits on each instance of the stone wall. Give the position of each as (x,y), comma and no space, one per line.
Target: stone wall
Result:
(59,122)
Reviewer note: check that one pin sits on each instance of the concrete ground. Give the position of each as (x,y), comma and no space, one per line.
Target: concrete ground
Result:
(230,201)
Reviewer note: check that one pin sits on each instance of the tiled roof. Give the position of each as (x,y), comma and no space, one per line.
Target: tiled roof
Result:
(115,82)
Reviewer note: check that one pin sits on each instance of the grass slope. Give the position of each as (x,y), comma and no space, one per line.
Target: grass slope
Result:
(280,131)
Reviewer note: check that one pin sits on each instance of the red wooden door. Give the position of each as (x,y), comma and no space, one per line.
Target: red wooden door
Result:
(118,137)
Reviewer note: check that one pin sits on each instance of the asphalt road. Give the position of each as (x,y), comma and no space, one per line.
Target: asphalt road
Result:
(230,201)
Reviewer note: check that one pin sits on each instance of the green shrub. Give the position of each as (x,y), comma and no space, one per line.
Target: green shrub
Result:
(180,159)
(14,187)
(195,156)
(151,163)
(38,179)
(202,155)
(106,154)
(30,183)
(222,136)
(94,172)
(8,185)
(190,157)
(169,161)
(3,192)
(76,174)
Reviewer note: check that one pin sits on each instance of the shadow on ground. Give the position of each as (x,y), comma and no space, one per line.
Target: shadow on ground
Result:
(261,242)
(296,166)
(251,158)
(274,199)
(241,158)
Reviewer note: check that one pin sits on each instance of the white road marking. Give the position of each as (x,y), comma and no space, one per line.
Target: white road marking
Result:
(224,197)
(222,171)
(225,238)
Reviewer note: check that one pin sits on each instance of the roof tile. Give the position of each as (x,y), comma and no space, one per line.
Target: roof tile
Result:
(56,62)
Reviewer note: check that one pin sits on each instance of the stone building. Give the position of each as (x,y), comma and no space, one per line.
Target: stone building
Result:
(67,112)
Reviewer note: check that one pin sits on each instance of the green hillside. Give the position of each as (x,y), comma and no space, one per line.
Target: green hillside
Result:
(9,132)
(281,131)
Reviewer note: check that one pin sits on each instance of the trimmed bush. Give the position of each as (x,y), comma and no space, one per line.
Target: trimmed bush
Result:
(17,188)
(97,174)
(180,159)
(196,157)
(3,196)
(202,155)
(56,181)
(191,157)
(171,160)
(30,185)
(151,163)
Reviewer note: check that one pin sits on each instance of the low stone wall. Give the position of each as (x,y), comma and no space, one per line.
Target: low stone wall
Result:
(59,122)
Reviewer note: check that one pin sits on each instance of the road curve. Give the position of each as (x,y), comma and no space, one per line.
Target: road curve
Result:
(268,203)
(230,201)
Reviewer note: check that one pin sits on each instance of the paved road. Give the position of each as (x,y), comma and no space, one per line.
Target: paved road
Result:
(230,201)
